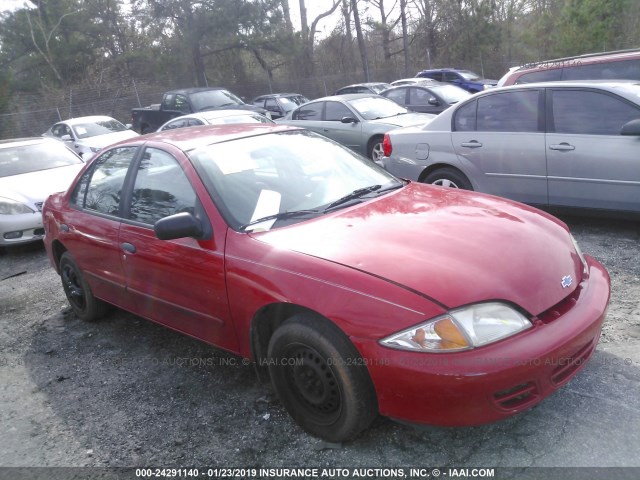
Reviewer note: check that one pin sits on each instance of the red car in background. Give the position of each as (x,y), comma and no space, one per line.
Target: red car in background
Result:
(360,293)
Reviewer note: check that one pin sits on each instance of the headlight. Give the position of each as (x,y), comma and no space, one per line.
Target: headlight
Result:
(11,207)
(580,254)
(461,329)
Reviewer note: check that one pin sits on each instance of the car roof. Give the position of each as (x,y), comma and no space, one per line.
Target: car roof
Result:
(213,114)
(446,69)
(583,59)
(189,138)
(16,142)
(267,95)
(194,90)
(344,98)
(87,119)
(624,88)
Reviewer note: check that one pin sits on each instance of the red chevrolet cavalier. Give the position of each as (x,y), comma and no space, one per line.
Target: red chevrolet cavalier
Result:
(357,292)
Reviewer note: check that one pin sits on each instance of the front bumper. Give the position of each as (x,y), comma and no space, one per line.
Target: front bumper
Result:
(496,381)
(27,225)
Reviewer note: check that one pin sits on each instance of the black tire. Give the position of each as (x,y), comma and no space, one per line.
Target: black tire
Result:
(147,129)
(374,149)
(83,303)
(321,379)
(448,177)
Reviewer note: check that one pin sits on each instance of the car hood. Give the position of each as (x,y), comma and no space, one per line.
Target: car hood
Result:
(405,120)
(101,141)
(34,187)
(451,246)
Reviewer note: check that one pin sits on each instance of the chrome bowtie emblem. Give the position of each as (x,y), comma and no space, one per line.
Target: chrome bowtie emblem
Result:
(567,281)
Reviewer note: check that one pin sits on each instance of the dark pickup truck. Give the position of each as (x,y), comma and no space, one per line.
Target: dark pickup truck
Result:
(182,102)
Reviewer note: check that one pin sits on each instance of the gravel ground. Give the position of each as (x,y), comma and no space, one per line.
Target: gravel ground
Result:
(127,392)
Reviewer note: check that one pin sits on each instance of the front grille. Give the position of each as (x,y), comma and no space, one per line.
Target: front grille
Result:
(569,365)
(517,397)
(39,206)
(561,307)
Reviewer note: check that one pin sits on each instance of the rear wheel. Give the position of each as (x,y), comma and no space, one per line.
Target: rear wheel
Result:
(84,304)
(321,379)
(448,177)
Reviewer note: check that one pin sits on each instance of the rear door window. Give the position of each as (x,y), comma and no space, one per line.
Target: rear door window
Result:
(309,111)
(100,188)
(508,112)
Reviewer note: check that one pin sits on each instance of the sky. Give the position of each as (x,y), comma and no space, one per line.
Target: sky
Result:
(10,4)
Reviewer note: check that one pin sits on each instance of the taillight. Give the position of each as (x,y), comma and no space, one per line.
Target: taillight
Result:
(386,145)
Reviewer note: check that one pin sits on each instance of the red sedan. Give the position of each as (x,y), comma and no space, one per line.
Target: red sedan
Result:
(357,292)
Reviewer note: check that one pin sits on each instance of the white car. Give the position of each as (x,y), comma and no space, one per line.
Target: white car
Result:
(215,117)
(31,169)
(88,135)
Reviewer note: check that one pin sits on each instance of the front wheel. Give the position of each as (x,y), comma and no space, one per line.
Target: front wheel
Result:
(83,303)
(448,177)
(321,379)
(375,150)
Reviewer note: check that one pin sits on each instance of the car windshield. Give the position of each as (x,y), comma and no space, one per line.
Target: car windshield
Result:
(101,127)
(294,174)
(298,99)
(288,103)
(372,108)
(469,75)
(379,87)
(214,99)
(450,93)
(20,159)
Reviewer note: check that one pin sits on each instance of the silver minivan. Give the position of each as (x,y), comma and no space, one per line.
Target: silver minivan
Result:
(566,144)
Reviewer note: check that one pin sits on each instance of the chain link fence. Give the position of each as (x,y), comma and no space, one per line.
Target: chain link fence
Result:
(32,115)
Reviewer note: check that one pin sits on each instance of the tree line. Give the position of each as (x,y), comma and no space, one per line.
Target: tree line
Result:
(56,44)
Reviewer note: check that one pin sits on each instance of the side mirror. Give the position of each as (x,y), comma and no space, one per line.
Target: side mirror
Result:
(631,128)
(433,101)
(180,225)
(349,120)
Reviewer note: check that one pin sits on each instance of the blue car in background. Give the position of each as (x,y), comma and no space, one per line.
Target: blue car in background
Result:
(470,81)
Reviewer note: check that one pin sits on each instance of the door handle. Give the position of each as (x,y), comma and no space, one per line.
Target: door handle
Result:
(471,144)
(128,247)
(325,129)
(563,147)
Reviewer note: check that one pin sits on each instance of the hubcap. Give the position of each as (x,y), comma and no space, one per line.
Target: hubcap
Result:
(74,290)
(313,383)
(445,182)
(377,153)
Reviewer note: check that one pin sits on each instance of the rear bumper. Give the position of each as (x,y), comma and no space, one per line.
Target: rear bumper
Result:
(493,382)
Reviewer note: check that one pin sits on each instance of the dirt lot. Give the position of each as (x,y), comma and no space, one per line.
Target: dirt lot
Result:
(126,392)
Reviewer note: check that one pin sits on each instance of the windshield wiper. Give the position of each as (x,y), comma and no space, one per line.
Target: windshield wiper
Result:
(361,192)
(280,216)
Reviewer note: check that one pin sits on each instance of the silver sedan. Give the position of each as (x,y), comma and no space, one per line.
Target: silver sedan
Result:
(88,135)
(31,169)
(569,145)
(358,121)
